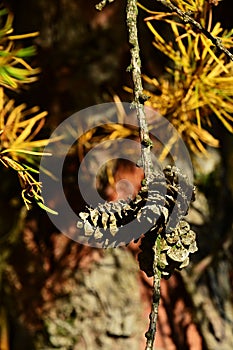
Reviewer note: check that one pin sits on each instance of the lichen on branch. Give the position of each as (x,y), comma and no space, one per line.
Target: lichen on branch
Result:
(139,96)
(102,4)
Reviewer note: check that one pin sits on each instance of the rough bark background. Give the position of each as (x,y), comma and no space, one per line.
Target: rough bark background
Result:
(60,295)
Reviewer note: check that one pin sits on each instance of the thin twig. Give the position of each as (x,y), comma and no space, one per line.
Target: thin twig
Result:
(102,4)
(150,334)
(146,143)
(186,18)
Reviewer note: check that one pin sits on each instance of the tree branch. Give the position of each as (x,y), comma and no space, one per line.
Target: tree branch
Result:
(186,18)
(146,144)
(150,334)
(139,96)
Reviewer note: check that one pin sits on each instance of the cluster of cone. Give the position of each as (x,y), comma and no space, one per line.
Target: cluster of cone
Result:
(158,211)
